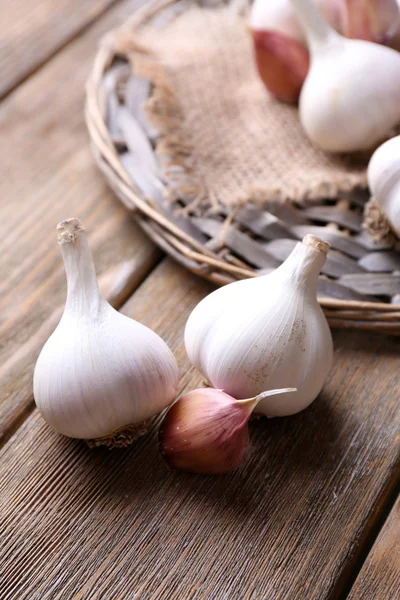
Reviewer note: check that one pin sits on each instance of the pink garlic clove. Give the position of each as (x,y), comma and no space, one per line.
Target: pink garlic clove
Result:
(282,63)
(206,430)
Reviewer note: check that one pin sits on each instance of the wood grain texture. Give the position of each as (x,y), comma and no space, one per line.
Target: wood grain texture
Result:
(289,524)
(33,31)
(49,175)
(380,576)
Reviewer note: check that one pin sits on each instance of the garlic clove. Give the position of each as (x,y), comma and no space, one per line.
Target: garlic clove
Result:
(384,180)
(206,431)
(282,64)
(266,332)
(100,375)
(342,109)
(280,51)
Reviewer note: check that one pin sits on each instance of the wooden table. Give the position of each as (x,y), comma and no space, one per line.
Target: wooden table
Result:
(312,514)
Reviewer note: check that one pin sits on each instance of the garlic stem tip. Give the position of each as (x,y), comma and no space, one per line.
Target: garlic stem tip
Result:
(315,242)
(268,393)
(68,230)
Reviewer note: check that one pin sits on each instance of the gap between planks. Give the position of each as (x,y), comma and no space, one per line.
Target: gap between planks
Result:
(352,578)
(379,577)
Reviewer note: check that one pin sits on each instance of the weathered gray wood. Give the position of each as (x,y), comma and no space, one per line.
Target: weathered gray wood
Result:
(330,214)
(381,261)
(264,224)
(153,188)
(260,218)
(337,264)
(329,288)
(137,142)
(376,283)
(137,92)
(336,238)
(110,84)
(241,244)
(358,197)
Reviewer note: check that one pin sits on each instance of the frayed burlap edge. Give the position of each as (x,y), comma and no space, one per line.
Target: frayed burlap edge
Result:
(173,148)
(175,152)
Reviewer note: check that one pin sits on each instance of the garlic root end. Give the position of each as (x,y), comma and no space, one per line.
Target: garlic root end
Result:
(68,230)
(315,242)
(121,438)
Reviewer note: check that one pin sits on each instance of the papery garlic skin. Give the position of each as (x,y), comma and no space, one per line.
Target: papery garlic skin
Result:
(384,180)
(100,371)
(350,99)
(280,45)
(267,332)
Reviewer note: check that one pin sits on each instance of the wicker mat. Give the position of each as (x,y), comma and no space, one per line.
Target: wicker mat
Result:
(224,141)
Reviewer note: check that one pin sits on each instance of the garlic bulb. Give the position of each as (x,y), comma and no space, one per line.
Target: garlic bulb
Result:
(384,180)
(100,375)
(206,430)
(350,99)
(265,333)
(280,46)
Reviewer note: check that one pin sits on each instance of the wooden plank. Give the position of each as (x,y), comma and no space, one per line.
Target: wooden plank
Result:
(49,175)
(33,31)
(379,577)
(290,523)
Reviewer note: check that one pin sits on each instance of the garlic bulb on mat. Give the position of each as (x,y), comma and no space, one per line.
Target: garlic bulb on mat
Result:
(279,41)
(206,430)
(266,333)
(350,99)
(101,375)
(384,180)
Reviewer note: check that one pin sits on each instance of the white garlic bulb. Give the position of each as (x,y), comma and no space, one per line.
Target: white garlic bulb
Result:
(350,99)
(384,180)
(267,332)
(100,374)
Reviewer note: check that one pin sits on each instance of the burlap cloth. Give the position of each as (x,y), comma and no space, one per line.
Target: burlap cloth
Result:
(224,141)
